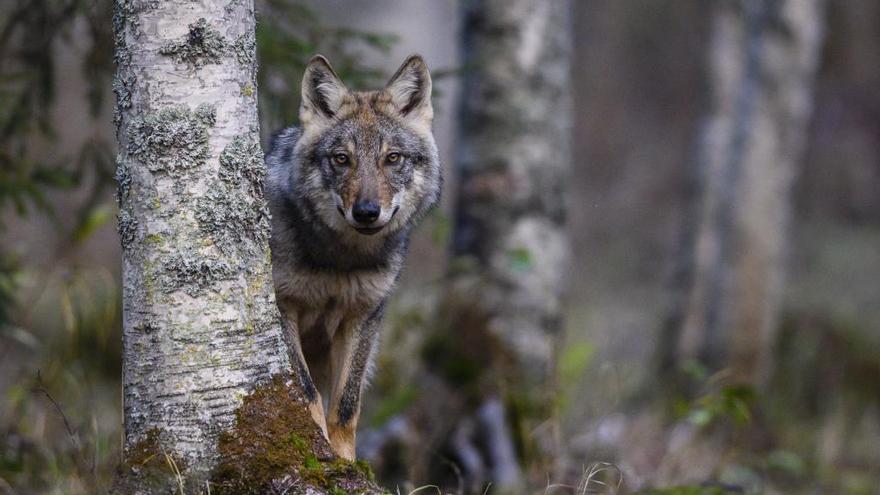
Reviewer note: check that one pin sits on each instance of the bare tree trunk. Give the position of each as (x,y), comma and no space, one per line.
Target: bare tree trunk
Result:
(762,58)
(206,389)
(510,243)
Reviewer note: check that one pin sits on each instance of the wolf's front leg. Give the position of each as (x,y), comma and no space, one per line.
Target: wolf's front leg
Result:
(351,351)
(301,372)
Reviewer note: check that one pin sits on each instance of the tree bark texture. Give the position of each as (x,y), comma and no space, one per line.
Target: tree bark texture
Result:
(510,243)
(762,62)
(200,325)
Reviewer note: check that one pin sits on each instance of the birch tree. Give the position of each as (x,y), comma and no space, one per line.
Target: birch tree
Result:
(762,62)
(510,246)
(207,399)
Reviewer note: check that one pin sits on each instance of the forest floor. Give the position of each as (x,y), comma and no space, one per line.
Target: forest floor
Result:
(60,420)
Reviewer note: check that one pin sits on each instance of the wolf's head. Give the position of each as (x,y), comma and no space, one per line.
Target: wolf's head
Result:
(367,160)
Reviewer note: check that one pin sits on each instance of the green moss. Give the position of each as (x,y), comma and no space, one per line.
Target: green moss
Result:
(364,468)
(311,463)
(248,90)
(274,442)
(202,45)
(172,139)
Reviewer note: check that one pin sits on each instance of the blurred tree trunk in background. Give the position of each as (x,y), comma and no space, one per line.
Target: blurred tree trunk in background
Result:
(762,62)
(503,308)
(200,327)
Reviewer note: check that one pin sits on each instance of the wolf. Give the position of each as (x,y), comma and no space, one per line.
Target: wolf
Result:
(345,189)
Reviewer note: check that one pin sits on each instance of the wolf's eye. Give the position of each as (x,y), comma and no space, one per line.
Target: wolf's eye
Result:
(392,158)
(340,159)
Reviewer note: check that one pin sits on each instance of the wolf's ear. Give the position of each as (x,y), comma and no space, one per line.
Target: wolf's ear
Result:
(322,92)
(410,90)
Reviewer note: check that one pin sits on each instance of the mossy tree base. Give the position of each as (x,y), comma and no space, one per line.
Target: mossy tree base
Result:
(274,447)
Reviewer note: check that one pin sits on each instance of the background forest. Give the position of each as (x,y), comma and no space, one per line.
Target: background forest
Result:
(640,387)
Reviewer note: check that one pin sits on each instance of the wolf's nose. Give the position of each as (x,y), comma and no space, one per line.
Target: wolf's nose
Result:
(365,212)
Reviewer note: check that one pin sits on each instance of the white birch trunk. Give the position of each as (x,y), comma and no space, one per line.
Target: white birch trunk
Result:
(200,325)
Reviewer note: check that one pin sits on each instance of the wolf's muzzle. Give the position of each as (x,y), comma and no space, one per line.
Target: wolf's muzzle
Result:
(365,212)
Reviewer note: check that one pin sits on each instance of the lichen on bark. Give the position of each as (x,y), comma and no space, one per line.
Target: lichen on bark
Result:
(127,225)
(229,218)
(244,48)
(192,272)
(122,89)
(200,46)
(173,138)
(241,162)
(123,180)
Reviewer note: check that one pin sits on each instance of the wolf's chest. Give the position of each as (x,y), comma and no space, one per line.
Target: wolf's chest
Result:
(353,291)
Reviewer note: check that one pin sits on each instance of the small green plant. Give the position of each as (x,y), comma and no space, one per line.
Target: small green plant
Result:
(731,401)
(717,399)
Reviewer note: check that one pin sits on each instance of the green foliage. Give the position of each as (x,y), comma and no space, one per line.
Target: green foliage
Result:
(731,401)
(288,34)
(717,399)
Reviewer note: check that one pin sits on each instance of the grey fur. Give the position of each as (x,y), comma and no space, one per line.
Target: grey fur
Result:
(331,281)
